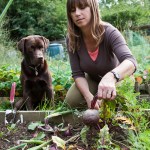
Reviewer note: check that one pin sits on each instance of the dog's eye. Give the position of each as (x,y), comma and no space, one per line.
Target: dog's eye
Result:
(40,47)
(32,47)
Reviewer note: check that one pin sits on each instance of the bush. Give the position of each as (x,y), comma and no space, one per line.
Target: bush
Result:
(42,17)
(124,15)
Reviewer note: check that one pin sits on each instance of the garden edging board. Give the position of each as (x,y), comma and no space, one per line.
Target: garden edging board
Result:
(31,116)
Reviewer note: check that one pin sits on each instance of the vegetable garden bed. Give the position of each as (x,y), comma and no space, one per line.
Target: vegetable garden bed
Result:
(123,123)
(65,132)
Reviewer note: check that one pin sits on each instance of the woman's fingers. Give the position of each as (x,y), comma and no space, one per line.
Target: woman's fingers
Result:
(113,95)
(109,95)
(98,104)
(108,92)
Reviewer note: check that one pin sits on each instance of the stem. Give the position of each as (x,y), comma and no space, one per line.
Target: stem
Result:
(121,143)
(55,114)
(40,146)
(73,138)
(94,101)
(5,9)
(19,146)
(32,141)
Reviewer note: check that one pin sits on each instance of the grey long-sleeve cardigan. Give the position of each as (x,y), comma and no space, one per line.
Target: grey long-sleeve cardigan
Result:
(112,51)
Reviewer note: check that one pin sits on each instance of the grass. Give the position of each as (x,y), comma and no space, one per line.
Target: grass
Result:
(9,53)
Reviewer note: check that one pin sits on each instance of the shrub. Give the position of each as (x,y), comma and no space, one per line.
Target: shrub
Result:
(42,17)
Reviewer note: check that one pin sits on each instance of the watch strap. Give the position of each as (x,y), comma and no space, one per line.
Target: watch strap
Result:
(116,75)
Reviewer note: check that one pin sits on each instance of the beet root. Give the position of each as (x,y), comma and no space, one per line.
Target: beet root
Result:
(91,117)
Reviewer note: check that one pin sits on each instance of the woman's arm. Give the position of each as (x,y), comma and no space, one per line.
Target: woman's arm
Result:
(107,86)
(116,43)
(83,86)
(126,68)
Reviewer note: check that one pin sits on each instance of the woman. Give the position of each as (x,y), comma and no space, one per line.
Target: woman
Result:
(99,55)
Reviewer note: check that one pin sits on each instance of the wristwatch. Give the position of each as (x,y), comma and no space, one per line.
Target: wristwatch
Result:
(116,75)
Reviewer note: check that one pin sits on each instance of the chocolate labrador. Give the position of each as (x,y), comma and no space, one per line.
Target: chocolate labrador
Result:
(35,77)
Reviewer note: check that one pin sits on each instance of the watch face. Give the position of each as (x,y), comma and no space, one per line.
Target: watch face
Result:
(117,75)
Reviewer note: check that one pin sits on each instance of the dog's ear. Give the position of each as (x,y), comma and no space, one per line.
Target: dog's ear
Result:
(21,45)
(46,42)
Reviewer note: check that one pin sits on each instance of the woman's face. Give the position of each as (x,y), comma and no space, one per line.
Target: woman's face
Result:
(81,16)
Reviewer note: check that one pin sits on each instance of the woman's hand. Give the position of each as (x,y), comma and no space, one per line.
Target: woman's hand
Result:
(106,87)
(97,104)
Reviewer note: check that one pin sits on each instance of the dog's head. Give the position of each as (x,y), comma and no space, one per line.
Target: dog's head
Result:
(33,48)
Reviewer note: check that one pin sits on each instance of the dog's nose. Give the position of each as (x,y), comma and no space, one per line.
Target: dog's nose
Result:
(40,58)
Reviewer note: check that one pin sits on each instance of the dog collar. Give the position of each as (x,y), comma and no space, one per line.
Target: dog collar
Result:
(35,69)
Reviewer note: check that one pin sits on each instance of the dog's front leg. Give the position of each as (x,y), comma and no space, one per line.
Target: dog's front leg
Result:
(50,94)
(19,104)
(29,104)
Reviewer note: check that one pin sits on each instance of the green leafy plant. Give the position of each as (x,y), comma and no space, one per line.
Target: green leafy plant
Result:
(8,75)
(62,79)
(124,114)
(124,15)
(44,17)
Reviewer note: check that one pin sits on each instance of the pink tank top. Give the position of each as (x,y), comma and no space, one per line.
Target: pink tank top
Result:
(94,54)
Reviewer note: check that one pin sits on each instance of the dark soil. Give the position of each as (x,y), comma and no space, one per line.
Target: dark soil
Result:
(9,137)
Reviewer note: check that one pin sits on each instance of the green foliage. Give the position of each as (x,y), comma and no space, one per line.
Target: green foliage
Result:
(8,52)
(48,18)
(8,75)
(124,15)
(34,125)
(4,105)
(104,137)
(42,17)
(83,135)
(61,75)
(139,45)
(126,112)
(123,117)
(140,140)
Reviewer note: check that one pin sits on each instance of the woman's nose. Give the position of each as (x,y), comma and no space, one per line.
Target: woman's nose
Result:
(77,11)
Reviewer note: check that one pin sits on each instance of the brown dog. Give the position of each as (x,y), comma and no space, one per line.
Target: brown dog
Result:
(35,78)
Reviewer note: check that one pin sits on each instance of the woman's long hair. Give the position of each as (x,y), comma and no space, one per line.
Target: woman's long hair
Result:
(74,33)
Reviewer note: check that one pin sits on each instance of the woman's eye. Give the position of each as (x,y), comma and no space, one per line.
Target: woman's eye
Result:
(73,10)
(82,6)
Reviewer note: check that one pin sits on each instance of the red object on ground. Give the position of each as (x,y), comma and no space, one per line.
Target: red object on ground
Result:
(12,92)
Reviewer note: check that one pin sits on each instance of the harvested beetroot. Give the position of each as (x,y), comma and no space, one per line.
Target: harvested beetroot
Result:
(91,117)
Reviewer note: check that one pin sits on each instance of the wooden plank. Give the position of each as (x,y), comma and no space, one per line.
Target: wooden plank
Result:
(29,116)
